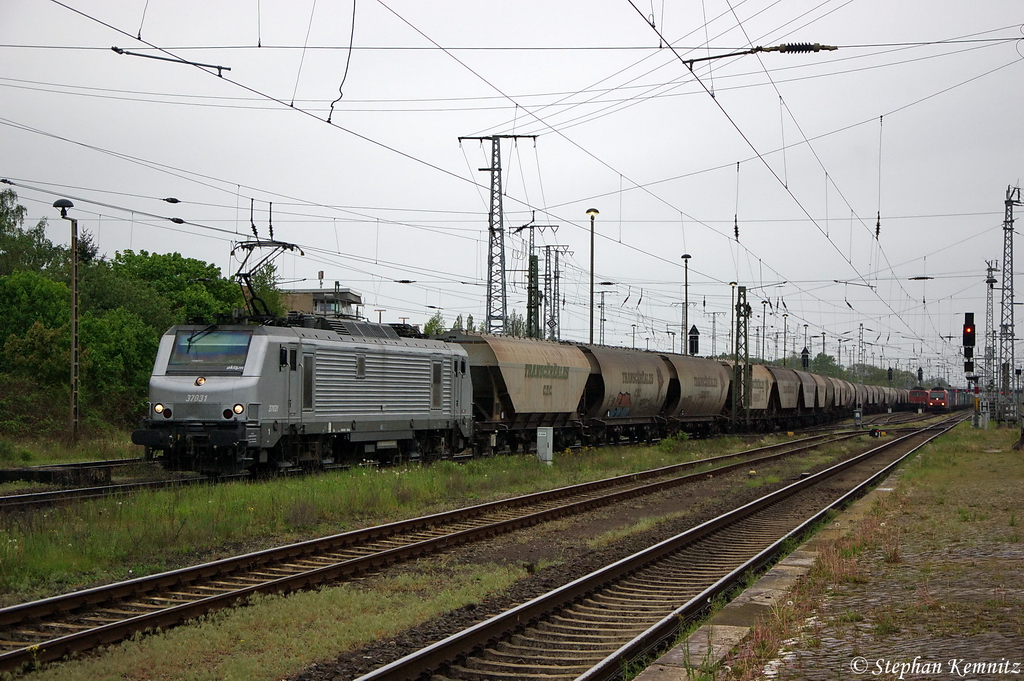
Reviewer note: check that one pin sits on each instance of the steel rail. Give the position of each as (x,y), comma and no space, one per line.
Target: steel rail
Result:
(487,633)
(657,636)
(50,497)
(143,587)
(32,499)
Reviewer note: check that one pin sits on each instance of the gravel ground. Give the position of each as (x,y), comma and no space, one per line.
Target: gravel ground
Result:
(940,594)
(563,549)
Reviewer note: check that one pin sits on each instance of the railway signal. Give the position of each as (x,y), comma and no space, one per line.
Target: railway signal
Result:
(969,330)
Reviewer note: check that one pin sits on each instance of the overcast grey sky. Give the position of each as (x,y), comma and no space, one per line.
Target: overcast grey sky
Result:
(917,115)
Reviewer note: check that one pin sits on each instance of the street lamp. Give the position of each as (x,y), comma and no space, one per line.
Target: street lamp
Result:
(673,334)
(64,204)
(592,212)
(634,336)
(686,302)
(379,312)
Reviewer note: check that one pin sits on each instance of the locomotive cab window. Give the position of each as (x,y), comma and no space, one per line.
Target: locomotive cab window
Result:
(360,366)
(209,351)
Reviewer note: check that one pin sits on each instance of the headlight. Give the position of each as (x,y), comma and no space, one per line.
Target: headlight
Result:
(239,409)
(200,381)
(158,408)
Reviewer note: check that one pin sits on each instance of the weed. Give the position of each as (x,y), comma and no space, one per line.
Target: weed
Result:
(892,551)
(850,616)
(885,624)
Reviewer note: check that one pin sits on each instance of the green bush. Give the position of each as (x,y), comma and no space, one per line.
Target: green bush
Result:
(11,454)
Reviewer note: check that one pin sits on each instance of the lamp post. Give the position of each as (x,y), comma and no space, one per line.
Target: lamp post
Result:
(380,313)
(686,302)
(634,336)
(64,204)
(592,212)
(673,334)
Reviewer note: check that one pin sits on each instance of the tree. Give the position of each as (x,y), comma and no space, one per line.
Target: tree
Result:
(193,288)
(470,327)
(28,298)
(824,365)
(457,326)
(515,324)
(435,325)
(117,358)
(24,249)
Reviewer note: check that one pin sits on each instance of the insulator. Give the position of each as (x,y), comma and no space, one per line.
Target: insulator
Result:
(736,227)
(804,47)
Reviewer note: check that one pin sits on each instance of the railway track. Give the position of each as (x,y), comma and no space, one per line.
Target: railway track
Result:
(80,472)
(51,628)
(589,629)
(77,473)
(13,502)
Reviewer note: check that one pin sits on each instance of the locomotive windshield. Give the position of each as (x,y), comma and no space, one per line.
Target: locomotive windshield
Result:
(207,351)
(938,395)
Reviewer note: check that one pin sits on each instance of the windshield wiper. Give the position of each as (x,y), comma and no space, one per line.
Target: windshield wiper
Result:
(199,333)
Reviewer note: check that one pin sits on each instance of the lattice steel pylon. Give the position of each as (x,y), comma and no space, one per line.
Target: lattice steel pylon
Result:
(550,326)
(860,353)
(1006,403)
(552,293)
(741,357)
(497,290)
(988,372)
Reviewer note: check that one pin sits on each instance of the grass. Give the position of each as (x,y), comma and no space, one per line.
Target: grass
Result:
(642,525)
(283,634)
(962,490)
(64,548)
(80,545)
(40,452)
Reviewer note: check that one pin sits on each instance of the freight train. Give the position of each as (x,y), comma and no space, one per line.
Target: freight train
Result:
(311,391)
